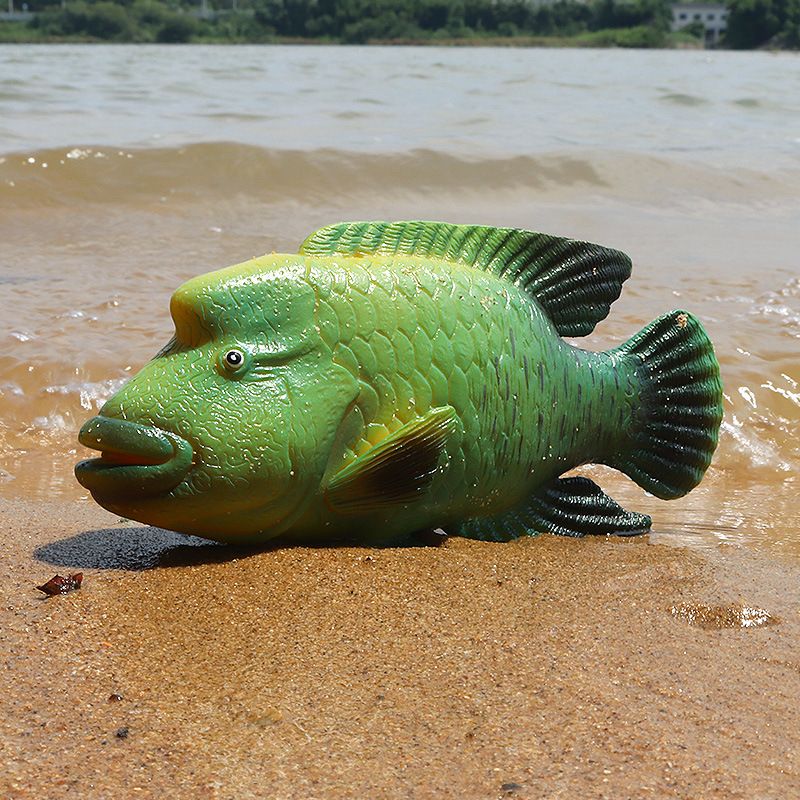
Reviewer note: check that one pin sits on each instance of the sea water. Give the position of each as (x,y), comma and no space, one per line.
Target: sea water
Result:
(125,170)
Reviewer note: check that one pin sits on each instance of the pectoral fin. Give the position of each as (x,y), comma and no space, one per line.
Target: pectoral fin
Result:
(567,507)
(397,470)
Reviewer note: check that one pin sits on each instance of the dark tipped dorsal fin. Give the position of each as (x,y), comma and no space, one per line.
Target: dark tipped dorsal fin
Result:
(575,282)
(396,470)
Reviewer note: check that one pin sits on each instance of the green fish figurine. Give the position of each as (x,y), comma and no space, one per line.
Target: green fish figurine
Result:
(397,377)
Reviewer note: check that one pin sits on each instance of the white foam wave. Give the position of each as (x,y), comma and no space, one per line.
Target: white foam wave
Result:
(760,453)
(91,395)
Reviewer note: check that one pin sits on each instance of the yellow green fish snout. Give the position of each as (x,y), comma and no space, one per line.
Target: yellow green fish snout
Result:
(392,377)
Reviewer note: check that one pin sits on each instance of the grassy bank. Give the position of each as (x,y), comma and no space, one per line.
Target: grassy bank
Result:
(606,23)
(20,33)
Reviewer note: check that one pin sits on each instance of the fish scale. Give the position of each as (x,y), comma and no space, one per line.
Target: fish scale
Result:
(392,377)
(478,369)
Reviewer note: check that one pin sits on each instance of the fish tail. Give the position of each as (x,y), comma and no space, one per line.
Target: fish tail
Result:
(681,405)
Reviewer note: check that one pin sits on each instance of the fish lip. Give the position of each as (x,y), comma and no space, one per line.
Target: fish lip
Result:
(137,459)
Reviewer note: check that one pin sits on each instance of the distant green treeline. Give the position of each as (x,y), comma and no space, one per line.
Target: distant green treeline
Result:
(624,23)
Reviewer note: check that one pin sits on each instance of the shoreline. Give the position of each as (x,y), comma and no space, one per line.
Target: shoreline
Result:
(584,41)
(579,42)
(545,667)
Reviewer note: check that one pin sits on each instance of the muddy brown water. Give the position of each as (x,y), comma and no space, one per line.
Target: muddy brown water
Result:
(125,171)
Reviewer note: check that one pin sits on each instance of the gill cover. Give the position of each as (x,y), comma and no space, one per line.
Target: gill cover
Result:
(267,307)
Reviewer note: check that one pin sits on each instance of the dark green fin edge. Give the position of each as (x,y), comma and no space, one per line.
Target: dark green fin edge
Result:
(397,470)
(682,402)
(573,506)
(575,282)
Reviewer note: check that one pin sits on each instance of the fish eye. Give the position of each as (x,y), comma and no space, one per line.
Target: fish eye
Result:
(232,361)
(234,358)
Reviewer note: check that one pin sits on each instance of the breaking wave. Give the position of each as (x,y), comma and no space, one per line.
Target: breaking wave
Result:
(109,175)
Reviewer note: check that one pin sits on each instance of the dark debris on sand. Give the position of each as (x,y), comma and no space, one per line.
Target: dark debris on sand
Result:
(59,584)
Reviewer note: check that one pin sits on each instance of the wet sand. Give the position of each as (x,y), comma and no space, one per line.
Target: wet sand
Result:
(544,668)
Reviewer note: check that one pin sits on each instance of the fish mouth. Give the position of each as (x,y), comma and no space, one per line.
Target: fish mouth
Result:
(135,459)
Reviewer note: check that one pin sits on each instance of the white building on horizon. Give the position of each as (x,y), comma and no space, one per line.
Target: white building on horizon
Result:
(714,17)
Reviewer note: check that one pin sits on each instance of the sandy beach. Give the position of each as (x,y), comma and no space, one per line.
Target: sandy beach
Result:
(544,668)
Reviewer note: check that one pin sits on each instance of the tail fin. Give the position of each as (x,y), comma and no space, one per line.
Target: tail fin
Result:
(681,394)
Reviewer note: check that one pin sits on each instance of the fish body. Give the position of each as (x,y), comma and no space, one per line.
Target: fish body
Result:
(393,377)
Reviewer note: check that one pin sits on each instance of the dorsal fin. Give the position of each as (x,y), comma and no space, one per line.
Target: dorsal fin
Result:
(575,282)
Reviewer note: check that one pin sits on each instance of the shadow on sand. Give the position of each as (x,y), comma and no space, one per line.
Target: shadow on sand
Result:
(136,548)
(144,547)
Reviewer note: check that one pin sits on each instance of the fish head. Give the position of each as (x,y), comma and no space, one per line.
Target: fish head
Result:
(227,432)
